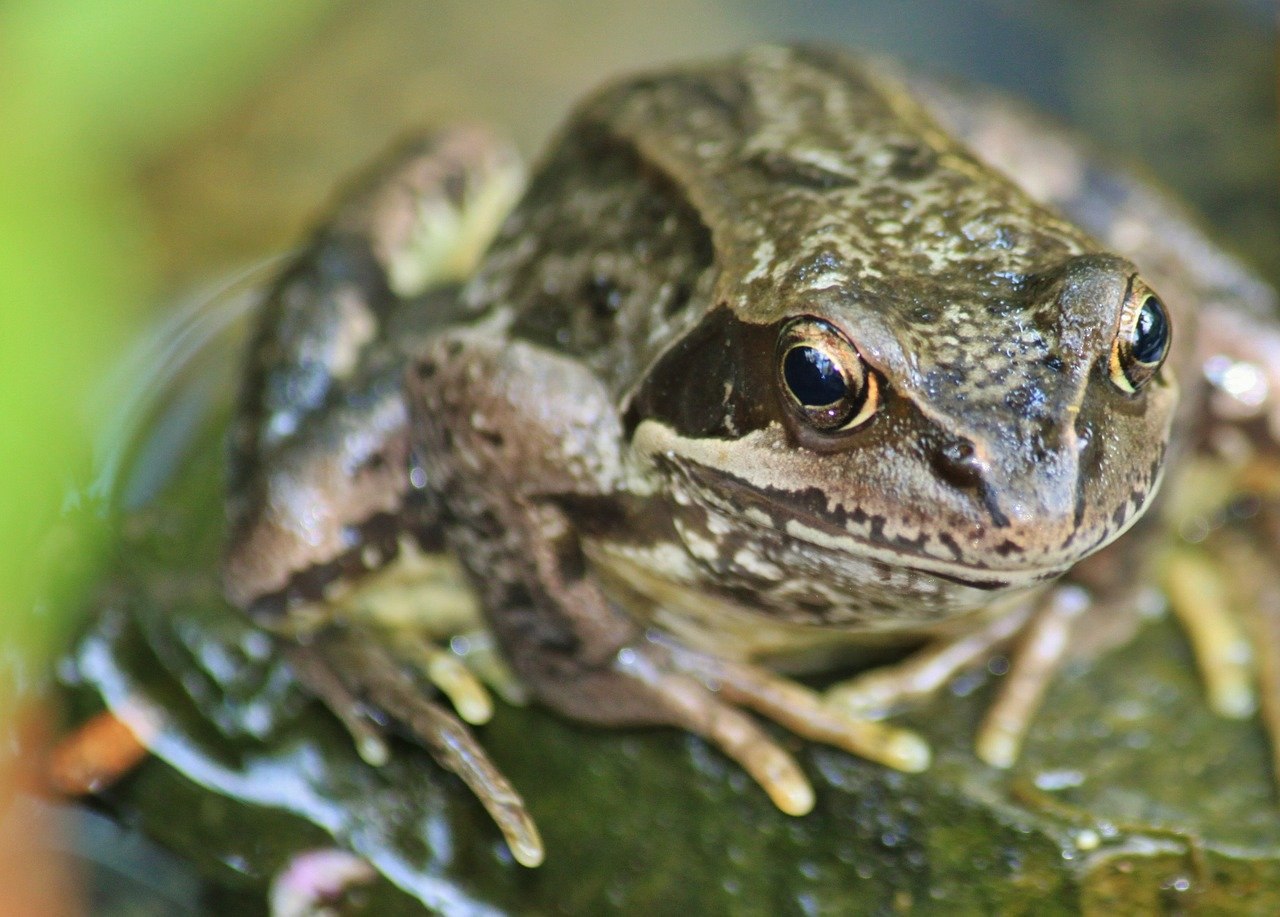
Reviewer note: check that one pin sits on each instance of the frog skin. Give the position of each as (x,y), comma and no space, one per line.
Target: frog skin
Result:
(765,373)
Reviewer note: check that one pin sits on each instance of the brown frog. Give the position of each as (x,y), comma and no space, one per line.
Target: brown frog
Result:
(766,373)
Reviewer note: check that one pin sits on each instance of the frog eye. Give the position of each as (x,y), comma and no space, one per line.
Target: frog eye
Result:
(1143,340)
(825,379)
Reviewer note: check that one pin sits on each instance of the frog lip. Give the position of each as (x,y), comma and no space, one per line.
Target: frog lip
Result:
(755,510)
(910,557)
(773,509)
(774,514)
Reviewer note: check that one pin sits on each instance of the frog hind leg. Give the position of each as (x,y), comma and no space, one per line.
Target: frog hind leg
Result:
(418,220)
(510,455)
(329,527)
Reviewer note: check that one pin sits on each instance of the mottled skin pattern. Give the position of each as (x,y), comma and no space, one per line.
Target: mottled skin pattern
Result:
(318,485)
(598,428)
(803,187)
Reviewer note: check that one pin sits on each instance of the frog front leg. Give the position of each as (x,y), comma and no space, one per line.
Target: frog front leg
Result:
(517,465)
(1041,628)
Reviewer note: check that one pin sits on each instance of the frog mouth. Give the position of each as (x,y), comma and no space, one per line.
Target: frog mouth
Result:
(793,515)
(909,556)
(769,504)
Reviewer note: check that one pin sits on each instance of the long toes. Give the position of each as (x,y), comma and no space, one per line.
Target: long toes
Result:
(451,675)
(321,679)
(477,652)
(879,691)
(734,733)
(1267,641)
(374,673)
(807,714)
(1036,662)
(1199,598)
(802,711)
(456,749)
(1256,571)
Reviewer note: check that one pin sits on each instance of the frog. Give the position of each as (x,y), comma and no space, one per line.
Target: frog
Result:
(787,363)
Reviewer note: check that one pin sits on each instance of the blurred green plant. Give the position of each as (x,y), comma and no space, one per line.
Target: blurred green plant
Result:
(89,89)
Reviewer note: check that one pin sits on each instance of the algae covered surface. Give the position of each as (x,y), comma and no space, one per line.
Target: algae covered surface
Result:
(1131,796)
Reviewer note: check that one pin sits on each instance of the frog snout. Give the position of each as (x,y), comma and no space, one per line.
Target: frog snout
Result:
(1030,486)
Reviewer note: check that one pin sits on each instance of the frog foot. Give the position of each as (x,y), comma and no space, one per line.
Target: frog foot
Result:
(1044,637)
(364,681)
(1200,599)
(706,695)
(1256,565)
(1233,624)
(465,672)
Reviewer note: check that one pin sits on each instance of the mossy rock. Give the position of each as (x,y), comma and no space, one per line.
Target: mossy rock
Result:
(1131,797)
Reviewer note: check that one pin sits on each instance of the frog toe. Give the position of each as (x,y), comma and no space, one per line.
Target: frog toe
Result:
(801,710)
(1200,598)
(1044,634)
(878,692)
(1255,593)
(1043,648)
(477,651)
(1267,644)
(450,673)
(365,683)
(1265,621)
(741,739)
(321,678)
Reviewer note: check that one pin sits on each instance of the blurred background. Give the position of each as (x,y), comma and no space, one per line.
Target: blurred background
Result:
(151,147)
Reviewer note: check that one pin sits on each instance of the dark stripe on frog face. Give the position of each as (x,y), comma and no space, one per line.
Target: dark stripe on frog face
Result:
(715,383)
(812,506)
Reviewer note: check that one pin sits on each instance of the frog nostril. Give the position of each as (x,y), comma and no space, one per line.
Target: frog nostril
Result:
(957,462)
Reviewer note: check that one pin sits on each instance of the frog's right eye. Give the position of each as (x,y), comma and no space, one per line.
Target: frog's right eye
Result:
(826,381)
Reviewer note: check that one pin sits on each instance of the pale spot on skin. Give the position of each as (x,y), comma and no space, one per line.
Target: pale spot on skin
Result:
(763,261)
(754,563)
(827,281)
(356,328)
(702,548)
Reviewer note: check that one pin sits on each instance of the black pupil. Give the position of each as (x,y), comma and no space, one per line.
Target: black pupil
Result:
(813,378)
(1151,334)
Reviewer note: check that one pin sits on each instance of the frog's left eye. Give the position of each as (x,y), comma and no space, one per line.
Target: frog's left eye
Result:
(1142,342)
(826,381)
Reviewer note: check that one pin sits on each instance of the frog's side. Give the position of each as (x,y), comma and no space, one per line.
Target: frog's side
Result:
(625,431)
